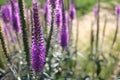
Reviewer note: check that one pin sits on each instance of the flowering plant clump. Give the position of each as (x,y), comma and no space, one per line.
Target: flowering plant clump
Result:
(53,40)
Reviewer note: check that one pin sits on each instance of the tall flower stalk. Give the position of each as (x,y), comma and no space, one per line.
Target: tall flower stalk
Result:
(15,16)
(48,11)
(6,17)
(45,16)
(92,40)
(72,10)
(52,3)
(16,20)
(117,11)
(58,13)
(72,13)
(24,33)
(4,46)
(98,25)
(104,30)
(38,46)
(64,29)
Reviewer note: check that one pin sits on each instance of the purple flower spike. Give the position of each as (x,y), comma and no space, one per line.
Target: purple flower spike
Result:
(53,3)
(15,16)
(15,21)
(64,29)
(38,48)
(72,10)
(117,10)
(48,8)
(58,18)
(6,13)
(64,35)
(58,13)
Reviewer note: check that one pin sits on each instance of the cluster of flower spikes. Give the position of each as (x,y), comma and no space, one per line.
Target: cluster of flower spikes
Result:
(10,14)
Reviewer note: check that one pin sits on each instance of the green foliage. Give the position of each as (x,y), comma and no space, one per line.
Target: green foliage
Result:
(28,3)
(2,2)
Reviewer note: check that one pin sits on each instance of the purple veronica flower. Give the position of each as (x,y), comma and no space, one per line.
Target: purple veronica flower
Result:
(45,7)
(6,13)
(38,48)
(95,10)
(57,17)
(117,10)
(6,30)
(53,3)
(58,13)
(64,29)
(15,23)
(72,10)
(48,8)
(15,16)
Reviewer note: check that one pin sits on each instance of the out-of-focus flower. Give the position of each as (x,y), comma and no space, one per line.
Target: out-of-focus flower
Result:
(15,16)
(58,14)
(57,18)
(95,11)
(15,23)
(48,10)
(53,3)
(117,10)
(6,13)
(38,48)
(64,29)
(72,10)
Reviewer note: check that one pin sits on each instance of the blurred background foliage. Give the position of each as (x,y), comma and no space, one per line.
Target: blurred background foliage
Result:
(82,6)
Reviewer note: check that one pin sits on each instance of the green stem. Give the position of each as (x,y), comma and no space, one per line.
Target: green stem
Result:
(116,33)
(19,43)
(98,20)
(24,31)
(77,35)
(46,29)
(50,33)
(71,34)
(92,39)
(76,43)
(4,47)
(104,29)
